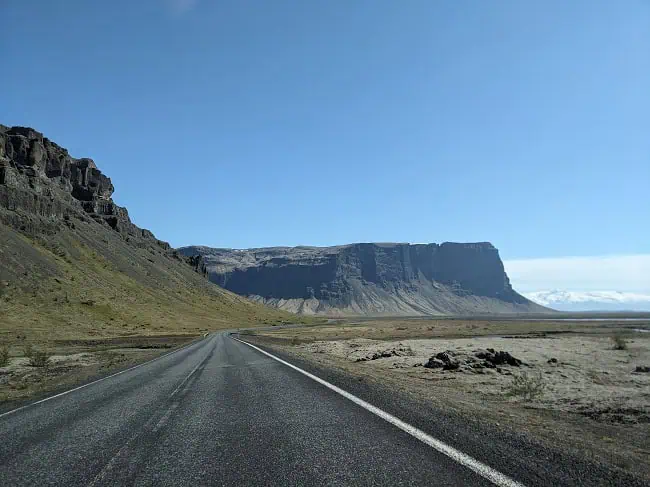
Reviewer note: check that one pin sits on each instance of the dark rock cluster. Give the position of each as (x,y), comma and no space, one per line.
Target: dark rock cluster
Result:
(481,359)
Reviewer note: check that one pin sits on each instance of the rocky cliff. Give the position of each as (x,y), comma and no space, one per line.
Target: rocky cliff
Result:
(368,278)
(40,178)
(72,264)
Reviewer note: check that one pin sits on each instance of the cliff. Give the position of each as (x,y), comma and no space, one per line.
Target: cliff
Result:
(368,278)
(40,178)
(73,264)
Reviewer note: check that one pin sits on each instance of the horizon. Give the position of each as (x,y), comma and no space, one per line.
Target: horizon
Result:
(316,124)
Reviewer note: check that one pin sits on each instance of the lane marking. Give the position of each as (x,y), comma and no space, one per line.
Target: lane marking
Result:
(126,453)
(187,378)
(480,468)
(165,418)
(100,380)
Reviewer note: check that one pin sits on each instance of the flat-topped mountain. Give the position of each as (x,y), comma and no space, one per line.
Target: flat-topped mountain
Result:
(368,278)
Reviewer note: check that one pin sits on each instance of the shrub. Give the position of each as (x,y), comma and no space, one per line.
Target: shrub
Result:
(4,356)
(39,358)
(525,386)
(28,350)
(619,342)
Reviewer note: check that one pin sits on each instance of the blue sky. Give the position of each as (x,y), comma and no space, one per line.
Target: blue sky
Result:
(254,123)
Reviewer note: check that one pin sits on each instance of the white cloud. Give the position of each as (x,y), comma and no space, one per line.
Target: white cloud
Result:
(627,273)
(179,7)
(548,298)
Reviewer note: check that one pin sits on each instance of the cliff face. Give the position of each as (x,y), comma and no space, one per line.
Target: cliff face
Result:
(368,278)
(40,178)
(72,264)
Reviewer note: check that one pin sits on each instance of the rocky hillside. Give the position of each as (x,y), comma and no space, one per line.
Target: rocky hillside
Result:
(73,264)
(368,278)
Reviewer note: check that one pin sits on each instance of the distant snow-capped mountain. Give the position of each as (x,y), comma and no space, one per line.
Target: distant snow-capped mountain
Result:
(591,300)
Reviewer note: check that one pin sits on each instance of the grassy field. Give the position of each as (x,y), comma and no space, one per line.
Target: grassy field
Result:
(90,298)
(64,288)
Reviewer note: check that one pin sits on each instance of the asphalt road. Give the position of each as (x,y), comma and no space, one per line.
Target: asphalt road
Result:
(221,413)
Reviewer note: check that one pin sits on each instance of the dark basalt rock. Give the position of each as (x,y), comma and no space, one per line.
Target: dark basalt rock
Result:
(494,358)
(40,179)
(444,361)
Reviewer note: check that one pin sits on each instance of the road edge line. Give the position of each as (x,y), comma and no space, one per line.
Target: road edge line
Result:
(458,456)
(40,401)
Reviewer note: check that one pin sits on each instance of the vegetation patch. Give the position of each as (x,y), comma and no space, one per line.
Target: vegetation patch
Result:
(4,356)
(40,358)
(526,386)
(619,341)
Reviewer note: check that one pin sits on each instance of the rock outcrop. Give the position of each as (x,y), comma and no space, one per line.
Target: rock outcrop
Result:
(369,278)
(40,178)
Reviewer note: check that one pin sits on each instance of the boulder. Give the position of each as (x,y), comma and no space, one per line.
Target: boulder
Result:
(434,363)
(444,360)
(490,356)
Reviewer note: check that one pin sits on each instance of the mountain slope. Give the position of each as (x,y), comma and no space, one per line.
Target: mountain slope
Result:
(368,278)
(591,300)
(72,264)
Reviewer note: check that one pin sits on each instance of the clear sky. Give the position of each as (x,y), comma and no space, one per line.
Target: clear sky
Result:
(241,123)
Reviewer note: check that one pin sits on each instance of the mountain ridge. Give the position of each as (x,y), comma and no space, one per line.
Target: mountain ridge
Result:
(381,278)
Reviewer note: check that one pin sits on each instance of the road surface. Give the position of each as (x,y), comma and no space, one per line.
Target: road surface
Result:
(219,412)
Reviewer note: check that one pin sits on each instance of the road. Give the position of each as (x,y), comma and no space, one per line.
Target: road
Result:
(219,412)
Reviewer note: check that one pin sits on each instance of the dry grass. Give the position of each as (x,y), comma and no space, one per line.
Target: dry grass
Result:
(65,364)
(4,356)
(40,358)
(620,343)
(405,328)
(92,297)
(28,350)
(526,386)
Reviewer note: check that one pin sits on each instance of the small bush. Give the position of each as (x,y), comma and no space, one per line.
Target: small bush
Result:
(19,386)
(4,356)
(527,387)
(619,342)
(28,350)
(39,358)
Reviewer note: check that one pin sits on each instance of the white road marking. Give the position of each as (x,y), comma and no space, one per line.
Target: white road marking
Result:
(480,468)
(178,388)
(97,381)
(165,418)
